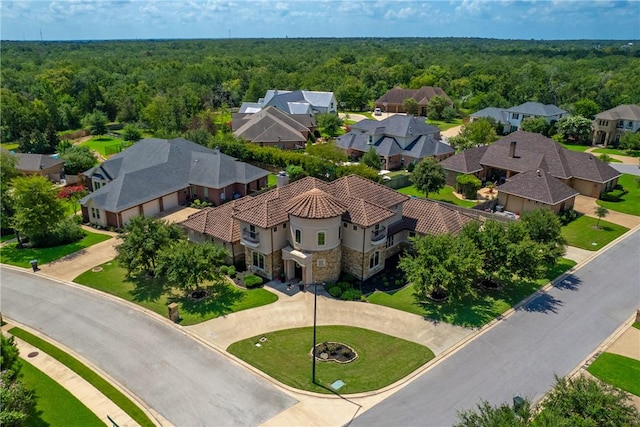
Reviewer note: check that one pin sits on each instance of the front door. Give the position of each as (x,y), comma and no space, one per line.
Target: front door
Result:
(297,270)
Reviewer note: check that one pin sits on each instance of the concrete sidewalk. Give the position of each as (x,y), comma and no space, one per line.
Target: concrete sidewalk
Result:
(93,399)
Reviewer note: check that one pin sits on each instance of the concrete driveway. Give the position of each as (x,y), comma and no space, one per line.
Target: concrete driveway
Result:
(587,206)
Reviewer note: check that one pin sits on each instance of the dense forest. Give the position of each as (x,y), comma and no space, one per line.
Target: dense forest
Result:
(166,85)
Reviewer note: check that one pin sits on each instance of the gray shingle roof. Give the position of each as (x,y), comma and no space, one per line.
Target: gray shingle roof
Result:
(34,162)
(422,96)
(538,185)
(269,125)
(498,114)
(153,168)
(537,109)
(467,161)
(621,112)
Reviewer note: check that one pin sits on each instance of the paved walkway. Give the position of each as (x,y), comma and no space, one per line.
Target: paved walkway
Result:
(93,399)
(627,160)
(587,206)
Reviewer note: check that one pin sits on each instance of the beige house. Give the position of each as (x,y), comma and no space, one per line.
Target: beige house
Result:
(610,125)
(312,230)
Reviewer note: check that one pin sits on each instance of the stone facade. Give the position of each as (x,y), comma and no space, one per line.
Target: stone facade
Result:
(352,262)
(332,265)
(272,264)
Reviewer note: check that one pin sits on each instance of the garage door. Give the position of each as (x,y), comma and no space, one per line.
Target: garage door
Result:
(151,208)
(128,214)
(170,201)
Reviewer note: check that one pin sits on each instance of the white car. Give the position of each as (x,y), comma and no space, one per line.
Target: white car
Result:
(377,112)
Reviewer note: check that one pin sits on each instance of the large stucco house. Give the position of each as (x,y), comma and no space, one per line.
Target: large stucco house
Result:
(294,102)
(313,230)
(511,118)
(398,140)
(156,175)
(610,125)
(537,159)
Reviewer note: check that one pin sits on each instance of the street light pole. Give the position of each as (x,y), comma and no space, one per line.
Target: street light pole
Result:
(313,351)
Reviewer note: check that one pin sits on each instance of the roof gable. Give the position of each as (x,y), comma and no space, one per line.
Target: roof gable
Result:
(539,186)
(621,112)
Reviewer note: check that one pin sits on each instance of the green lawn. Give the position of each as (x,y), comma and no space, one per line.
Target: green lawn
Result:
(87,374)
(629,153)
(286,356)
(55,406)
(155,295)
(636,325)
(582,233)
(105,145)
(630,202)
(445,125)
(471,311)
(575,147)
(7,237)
(20,257)
(10,146)
(444,195)
(620,371)
(272,180)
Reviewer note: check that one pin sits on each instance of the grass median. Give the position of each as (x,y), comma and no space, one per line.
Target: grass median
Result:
(112,393)
(286,356)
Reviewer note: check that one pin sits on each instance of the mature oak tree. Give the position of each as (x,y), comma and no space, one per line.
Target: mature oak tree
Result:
(428,176)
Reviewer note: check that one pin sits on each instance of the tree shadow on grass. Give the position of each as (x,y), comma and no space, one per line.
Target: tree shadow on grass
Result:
(219,301)
(147,288)
(466,312)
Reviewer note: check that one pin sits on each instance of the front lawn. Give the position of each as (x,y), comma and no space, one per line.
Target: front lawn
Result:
(104,386)
(582,233)
(444,125)
(7,237)
(470,311)
(444,195)
(21,257)
(618,152)
(55,406)
(629,203)
(105,145)
(575,147)
(620,371)
(286,356)
(154,295)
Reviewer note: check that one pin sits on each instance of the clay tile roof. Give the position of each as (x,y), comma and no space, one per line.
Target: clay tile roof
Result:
(315,204)
(428,217)
(364,213)
(217,222)
(362,188)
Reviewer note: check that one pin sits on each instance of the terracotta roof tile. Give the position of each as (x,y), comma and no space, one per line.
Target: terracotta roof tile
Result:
(428,217)
(217,222)
(315,204)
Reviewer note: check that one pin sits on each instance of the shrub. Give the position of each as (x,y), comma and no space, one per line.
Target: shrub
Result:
(411,166)
(224,269)
(198,204)
(231,271)
(252,281)
(351,295)
(614,195)
(335,290)
(468,185)
(567,216)
(67,231)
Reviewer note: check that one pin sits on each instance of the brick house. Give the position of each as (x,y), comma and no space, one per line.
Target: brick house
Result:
(156,175)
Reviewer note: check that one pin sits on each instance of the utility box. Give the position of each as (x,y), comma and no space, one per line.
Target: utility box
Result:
(174,312)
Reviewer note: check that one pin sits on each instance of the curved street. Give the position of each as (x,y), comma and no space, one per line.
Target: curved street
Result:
(175,375)
(550,335)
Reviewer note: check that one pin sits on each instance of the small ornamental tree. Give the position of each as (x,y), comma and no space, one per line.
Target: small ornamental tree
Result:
(73,193)
(411,106)
(428,176)
(372,159)
(131,133)
(535,125)
(600,212)
(329,123)
(96,122)
(574,128)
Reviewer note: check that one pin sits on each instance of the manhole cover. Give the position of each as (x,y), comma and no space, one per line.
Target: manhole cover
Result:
(96,269)
(33,354)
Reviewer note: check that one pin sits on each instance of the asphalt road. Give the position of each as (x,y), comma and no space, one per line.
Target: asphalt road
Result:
(184,381)
(552,334)
(630,169)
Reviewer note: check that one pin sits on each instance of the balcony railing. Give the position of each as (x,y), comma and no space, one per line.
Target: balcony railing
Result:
(251,236)
(379,234)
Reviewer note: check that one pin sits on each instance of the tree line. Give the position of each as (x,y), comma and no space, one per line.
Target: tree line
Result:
(172,86)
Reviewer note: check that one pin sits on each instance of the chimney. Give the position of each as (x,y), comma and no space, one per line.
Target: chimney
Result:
(282,179)
(512,149)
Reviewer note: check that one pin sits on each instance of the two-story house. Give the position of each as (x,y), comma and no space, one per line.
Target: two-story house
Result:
(294,102)
(511,118)
(398,140)
(155,175)
(610,125)
(312,230)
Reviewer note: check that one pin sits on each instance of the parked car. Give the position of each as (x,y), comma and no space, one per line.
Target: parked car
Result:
(377,112)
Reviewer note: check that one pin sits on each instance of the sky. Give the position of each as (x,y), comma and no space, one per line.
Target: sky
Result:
(214,19)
